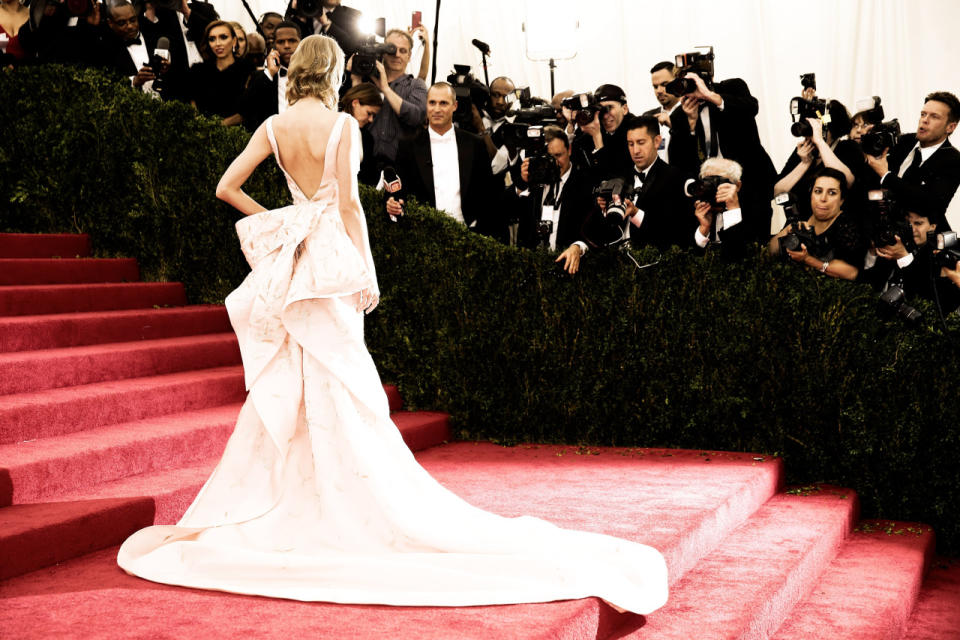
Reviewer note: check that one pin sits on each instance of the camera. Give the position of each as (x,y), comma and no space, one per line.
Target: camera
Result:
(809,81)
(801,109)
(585,108)
(945,243)
(368,54)
(885,220)
(801,234)
(542,169)
(469,92)
(705,190)
(696,62)
(544,231)
(883,136)
(790,209)
(615,191)
(871,110)
(894,301)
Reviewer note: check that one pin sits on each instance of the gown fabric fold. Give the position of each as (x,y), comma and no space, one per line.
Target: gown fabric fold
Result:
(317,497)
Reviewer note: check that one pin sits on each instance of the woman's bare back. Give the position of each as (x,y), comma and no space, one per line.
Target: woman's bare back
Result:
(302,133)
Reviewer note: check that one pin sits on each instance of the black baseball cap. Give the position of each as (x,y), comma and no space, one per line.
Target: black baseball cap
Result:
(610,92)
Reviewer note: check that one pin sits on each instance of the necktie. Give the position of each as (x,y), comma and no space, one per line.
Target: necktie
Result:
(701,140)
(914,164)
(551,199)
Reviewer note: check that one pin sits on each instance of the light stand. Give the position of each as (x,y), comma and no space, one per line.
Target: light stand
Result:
(551,33)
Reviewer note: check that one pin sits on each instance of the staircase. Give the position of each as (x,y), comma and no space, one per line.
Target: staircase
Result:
(117,398)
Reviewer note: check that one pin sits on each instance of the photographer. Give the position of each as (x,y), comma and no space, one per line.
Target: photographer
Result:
(916,268)
(492,118)
(184,28)
(828,241)
(404,98)
(822,148)
(717,209)
(653,208)
(552,215)
(721,121)
(128,50)
(603,141)
(661,75)
(266,93)
(331,20)
(58,37)
(923,169)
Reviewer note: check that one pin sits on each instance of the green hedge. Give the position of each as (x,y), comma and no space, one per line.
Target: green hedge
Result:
(689,352)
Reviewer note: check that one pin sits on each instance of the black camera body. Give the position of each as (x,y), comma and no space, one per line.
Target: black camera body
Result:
(544,231)
(808,81)
(368,54)
(800,110)
(885,220)
(615,191)
(801,234)
(705,190)
(696,62)
(790,209)
(585,107)
(469,92)
(893,301)
(883,136)
(947,253)
(542,168)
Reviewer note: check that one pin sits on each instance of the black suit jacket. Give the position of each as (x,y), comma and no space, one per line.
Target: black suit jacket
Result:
(414,165)
(668,213)
(576,202)
(114,54)
(928,189)
(737,137)
(260,100)
(177,79)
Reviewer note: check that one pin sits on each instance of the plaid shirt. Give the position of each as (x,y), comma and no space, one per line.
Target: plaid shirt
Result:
(388,128)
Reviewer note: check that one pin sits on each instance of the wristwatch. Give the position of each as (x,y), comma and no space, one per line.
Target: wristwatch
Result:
(823,267)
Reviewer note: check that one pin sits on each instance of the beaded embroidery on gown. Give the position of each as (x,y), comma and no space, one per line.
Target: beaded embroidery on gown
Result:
(317,497)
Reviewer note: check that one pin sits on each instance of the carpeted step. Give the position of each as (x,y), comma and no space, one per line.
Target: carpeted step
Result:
(91,597)
(669,499)
(172,457)
(422,429)
(28,333)
(22,271)
(394,398)
(25,371)
(53,412)
(49,468)
(869,589)
(44,245)
(747,587)
(936,616)
(67,298)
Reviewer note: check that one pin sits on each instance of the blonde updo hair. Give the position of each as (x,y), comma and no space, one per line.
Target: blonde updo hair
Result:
(316,69)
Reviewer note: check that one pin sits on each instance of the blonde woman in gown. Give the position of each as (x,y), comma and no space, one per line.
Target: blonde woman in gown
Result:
(317,497)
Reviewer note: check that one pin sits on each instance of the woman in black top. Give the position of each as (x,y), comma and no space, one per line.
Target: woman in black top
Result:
(218,82)
(824,148)
(838,246)
(363,102)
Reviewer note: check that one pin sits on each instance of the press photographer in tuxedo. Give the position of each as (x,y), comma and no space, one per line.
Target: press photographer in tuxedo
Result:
(604,140)
(661,75)
(446,167)
(552,215)
(660,213)
(721,121)
(184,28)
(127,49)
(266,93)
(719,211)
(923,170)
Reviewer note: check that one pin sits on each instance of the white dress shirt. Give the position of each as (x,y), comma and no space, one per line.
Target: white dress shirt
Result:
(665,135)
(141,58)
(446,172)
(552,213)
(281,89)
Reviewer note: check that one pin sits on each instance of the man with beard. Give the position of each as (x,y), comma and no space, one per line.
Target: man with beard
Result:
(267,92)
(661,75)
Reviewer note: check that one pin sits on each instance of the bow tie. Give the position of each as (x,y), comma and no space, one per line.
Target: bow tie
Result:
(283,72)
(640,175)
(130,43)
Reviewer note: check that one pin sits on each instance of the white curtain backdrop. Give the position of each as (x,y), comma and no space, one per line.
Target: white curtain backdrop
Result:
(897,49)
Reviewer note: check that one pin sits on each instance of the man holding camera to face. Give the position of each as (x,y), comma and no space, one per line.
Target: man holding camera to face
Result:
(603,138)
(922,170)
(718,119)
(661,75)
(552,215)
(648,205)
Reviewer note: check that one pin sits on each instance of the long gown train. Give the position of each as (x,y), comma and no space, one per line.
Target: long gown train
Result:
(316,496)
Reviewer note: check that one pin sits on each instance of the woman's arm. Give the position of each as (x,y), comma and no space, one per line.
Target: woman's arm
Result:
(351,211)
(829,158)
(228,189)
(787,182)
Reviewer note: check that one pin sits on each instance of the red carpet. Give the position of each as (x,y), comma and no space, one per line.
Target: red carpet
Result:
(114,412)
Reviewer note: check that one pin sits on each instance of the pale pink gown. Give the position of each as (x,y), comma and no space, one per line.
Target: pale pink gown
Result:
(317,497)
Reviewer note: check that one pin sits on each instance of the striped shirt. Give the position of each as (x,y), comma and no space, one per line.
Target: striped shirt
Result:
(388,128)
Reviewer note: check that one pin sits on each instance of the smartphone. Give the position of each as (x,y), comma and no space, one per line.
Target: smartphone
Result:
(415,20)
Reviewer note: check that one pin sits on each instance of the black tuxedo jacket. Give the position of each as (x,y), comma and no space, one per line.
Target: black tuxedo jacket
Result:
(260,100)
(928,189)
(414,165)
(613,159)
(668,213)
(736,138)
(168,24)
(113,53)
(576,202)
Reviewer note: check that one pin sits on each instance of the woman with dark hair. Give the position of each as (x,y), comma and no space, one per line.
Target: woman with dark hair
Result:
(241,39)
(831,242)
(217,84)
(363,102)
(316,496)
(823,148)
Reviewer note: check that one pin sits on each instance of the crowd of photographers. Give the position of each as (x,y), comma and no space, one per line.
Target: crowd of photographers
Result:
(575,174)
